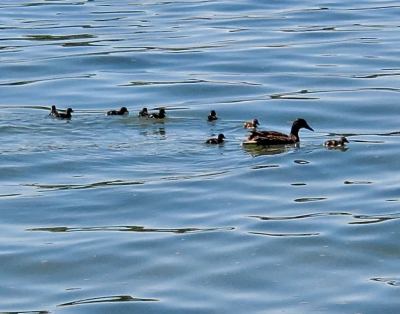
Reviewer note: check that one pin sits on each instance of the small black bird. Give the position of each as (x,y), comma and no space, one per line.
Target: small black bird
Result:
(212,116)
(143,113)
(53,111)
(159,115)
(119,112)
(218,140)
(66,115)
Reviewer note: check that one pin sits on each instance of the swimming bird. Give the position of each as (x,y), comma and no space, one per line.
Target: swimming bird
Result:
(251,125)
(66,115)
(336,142)
(53,111)
(212,116)
(143,113)
(159,115)
(218,140)
(119,112)
(276,138)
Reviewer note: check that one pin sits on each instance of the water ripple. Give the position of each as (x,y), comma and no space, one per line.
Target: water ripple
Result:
(371,219)
(82,186)
(27,312)
(108,299)
(395,282)
(289,235)
(131,229)
(310,199)
(301,216)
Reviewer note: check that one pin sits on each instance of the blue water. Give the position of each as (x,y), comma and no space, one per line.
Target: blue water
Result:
(116,214)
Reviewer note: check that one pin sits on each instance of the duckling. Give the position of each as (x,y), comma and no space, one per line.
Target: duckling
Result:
(218,140)
(66,115)
(53,111)
(276,138)
(212,116)
(120,112)
(336,142)
(159,115)
(251,125)
(143,113)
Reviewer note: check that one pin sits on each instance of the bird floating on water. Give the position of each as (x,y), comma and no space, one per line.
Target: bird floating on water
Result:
(335,143)
(159,115)
(120,112)
(277,138)
(218,140)
(143,113)
(212,116)
(251,125)
(53,111)
(66,115)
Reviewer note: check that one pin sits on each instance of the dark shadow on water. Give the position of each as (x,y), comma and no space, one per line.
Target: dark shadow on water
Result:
(395,282)
(52,79)
(370,142)
(358,182)
(79,44)
(301,162)
(10,195)
(109,299)
(65,37)
(59,187)
(192,176)
(264,167)
(310,199)
(27,312)
(300,216)
(294,95)
(285,234)
(131,229)
(363,219)
(144,83)
(370,219)
(82,186)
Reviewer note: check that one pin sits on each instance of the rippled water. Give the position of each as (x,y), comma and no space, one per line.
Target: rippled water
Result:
(125,215)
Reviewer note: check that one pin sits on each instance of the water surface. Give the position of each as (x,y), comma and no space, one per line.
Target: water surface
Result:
(120,214)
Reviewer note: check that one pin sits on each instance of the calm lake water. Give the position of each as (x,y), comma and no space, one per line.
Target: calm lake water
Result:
(123,215)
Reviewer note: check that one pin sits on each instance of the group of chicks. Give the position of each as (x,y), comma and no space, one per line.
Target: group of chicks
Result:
(123,111)
(264,138)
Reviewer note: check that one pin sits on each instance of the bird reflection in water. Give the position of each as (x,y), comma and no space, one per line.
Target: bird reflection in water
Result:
(339,148)
(259,150)
(160,131)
